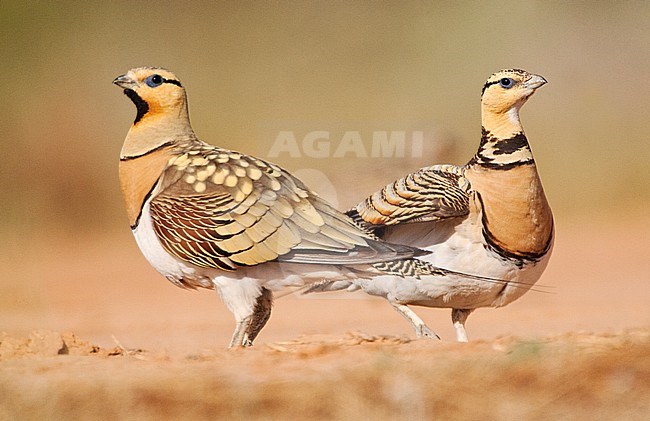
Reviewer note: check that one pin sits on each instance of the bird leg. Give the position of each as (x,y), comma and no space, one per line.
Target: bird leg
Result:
(421,329)
(238,336)
(458,317)
(260,316)
(250,326)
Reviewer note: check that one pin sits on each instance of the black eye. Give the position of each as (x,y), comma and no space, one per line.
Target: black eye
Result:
(506,82)
(154,80)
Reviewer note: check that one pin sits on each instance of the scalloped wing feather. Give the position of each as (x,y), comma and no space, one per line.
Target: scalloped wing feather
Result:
(221,209)
(429,194)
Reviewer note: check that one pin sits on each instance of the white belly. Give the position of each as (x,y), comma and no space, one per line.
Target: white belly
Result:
(457,247)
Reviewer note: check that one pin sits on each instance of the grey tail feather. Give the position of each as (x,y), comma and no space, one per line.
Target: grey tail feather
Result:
(324,286)
(416,268)
(516,284)
(402,252)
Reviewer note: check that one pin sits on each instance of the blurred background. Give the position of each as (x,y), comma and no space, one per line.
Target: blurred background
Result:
(255,69)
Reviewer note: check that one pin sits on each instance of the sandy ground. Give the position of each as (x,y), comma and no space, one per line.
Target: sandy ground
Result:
(91,331)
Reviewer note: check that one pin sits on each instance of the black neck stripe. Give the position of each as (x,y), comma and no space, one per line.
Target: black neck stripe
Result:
(511,145)
(503,167)
(157,148)
(504,147)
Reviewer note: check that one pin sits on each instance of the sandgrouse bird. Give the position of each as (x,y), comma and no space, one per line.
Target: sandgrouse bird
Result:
(489,217)
(209,217)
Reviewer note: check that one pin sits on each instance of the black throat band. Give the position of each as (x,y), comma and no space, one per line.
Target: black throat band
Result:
(140,105)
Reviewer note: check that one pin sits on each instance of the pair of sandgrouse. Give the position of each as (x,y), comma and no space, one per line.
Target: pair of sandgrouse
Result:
(465,237)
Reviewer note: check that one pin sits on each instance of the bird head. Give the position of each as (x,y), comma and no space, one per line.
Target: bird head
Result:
(156,92)
(508,90)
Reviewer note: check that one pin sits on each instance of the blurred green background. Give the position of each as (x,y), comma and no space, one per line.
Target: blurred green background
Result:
(246,64)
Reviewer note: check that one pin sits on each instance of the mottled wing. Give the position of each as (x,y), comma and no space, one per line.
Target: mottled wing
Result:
(430,194)
(223,209)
